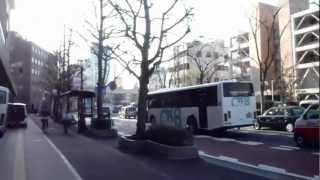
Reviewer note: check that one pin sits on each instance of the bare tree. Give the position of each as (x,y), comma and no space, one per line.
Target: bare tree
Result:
(267,27)
(99,31)
(151,36)
(205,57)
(161,74)
(287,84)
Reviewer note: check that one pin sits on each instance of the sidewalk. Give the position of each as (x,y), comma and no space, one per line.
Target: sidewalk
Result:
(100,159)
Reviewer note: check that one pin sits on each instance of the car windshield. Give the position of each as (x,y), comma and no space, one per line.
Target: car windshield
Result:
(296,111)
(13,109)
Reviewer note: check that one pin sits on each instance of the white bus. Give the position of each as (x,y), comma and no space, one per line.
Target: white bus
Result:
(219,105)
(4,98)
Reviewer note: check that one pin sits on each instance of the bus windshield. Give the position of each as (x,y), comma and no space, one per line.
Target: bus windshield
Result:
(237,89)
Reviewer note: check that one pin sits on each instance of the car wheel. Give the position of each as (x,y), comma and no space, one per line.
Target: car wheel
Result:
(300,140)
(289,127)
(257,126)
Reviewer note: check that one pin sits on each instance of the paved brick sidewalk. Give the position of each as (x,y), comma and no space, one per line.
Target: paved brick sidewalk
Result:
(100,160)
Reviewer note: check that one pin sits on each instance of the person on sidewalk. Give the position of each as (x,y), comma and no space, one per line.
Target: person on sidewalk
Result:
(45,112)
(67,119)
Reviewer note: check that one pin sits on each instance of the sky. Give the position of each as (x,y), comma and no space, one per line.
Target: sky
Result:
(42,21)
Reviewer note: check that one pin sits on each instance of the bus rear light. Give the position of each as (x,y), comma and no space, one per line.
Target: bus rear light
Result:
(225,117)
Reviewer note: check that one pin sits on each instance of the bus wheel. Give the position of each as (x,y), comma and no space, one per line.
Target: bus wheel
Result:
(192,123)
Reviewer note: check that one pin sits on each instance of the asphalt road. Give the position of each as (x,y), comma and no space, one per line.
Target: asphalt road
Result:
(267,148)
(26,154)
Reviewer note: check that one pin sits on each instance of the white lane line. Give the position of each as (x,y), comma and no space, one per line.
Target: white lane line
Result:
(123,134)
(282,148)
(250,143)
(64,159)
(19,164)
(290,147)
(272,168)
(260,170)
(316,153)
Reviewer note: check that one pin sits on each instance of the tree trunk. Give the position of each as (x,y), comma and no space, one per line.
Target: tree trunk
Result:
(201,77)
(262,87)
(100,52)
(142,100)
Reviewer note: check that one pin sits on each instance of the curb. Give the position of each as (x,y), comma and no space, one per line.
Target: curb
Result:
(260,170)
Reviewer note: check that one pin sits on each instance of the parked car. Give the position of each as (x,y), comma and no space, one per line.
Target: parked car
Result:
(283,117)
(17,115)
(128,112)
(307,127)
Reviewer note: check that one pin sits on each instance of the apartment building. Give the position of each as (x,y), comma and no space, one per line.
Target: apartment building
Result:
(305,42)
(190,59)
(5,77)
(248,51)
(33,70)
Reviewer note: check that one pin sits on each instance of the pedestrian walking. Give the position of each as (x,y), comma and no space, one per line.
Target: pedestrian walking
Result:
(45,112)
(67,120)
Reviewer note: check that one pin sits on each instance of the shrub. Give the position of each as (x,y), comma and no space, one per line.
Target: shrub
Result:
(169,135)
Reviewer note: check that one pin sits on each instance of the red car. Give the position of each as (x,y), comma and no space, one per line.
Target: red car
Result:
(307,127)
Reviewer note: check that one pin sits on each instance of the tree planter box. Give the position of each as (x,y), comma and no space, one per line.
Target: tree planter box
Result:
(131,145)
(154,148)
(101,133)
(171,152)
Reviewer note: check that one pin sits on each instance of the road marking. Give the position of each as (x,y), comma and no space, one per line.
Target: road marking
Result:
(282,148)
(64,159)
(250,143)
(316,153)
(267,171)
(19,164)
(123,134)
(290,147)
(272,168)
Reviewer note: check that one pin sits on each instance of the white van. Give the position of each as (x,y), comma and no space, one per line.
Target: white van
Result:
(4,98)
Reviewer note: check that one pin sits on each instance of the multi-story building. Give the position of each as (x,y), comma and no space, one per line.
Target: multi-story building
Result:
(305,36)
(192,58)
(5,77)
(249,51)
(288,8)
(33,70)
(240,60)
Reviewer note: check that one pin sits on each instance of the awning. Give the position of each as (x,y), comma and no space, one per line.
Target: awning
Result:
(78,93)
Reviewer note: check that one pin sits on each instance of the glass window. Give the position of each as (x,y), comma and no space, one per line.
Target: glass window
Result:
(296,111)
(3,97)
(271,111)
(237,89)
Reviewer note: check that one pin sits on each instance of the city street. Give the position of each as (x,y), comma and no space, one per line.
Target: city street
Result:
(75,157)
(26,154)
(266,148)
